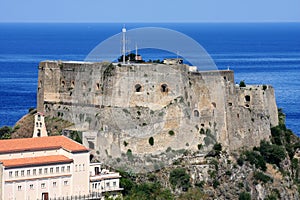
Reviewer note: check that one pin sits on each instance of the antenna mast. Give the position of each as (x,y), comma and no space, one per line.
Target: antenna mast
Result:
(124,43)
(136,52)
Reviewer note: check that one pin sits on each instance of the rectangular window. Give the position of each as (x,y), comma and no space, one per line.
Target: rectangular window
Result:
(114,184)
(66,182)
(51,170)
(107,184)
(34,171)
(19,187)
(31,186)
(40,171)
(16,173)
(28,172)
(45,170)
(68,168)
(82,167)
(54,184)
(10,174)
(57,169)
(22,172)
(62,169)
(43,185)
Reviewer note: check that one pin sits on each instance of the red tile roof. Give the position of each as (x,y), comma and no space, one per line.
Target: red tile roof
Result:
(40,143)
(35,161)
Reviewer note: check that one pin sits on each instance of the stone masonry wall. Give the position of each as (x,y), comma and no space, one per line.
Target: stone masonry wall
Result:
(126,105)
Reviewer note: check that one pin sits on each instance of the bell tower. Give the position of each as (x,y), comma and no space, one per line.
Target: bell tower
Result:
(39,125)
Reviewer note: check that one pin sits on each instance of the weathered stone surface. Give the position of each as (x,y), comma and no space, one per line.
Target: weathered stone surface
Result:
(125,105)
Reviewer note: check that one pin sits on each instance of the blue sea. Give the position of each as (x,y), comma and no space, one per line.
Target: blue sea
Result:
(259,53)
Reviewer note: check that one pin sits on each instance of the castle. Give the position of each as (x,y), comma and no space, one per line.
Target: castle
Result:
(146,109)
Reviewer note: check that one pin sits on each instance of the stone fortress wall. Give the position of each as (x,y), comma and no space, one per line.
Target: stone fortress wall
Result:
(120,107)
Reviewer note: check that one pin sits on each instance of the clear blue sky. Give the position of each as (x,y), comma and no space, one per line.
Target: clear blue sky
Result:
(149,11)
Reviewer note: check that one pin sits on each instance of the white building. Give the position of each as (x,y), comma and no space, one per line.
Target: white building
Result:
(102,181)
(51,168)
(43,168)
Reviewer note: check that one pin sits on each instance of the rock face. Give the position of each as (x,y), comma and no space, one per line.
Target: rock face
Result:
(135,110)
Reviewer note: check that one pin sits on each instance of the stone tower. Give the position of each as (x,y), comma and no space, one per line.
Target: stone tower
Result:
(39,125)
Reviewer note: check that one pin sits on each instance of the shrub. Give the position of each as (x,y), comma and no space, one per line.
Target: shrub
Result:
(31,109)
(179,178)
(259,176)
(228,173)
(272,153)
(255,158)
(216,183)
(218,148)
(192,194)
(244,196)
(171,132)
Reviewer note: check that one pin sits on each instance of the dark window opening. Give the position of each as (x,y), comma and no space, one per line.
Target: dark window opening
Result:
(164,88)
(91,145)
(238,115)
(214,104)
(138,88)
(247,98)
(97,170)
(247,105)
(196,113)
(98,86)
(72,84)
(39,133)
(225,78)
(63,83)
(230,104)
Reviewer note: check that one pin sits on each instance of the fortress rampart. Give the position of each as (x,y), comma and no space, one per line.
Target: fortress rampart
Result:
(120,107)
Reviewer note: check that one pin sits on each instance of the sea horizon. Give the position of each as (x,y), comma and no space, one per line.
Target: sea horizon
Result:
(259,53)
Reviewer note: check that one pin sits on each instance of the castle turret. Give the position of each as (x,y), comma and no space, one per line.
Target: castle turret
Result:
(39,125)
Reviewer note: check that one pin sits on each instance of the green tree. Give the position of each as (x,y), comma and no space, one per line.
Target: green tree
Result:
(272,153)
(244,196)
(5,132)
(179,178)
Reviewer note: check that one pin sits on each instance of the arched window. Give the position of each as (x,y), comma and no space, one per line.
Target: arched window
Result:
(247,98)
(63,83)
(164,88)
(84,85)
(138,88)
(73,84)
(39,133)
(196,113)
(97,86)
(40,124)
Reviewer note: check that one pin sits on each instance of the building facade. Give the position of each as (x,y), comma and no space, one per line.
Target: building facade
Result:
(43,168)
(103,182)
